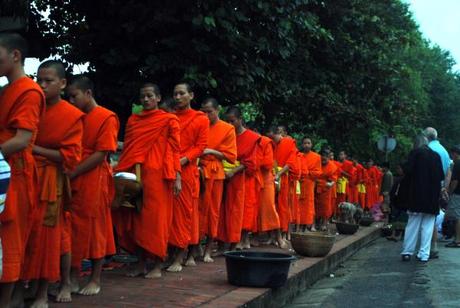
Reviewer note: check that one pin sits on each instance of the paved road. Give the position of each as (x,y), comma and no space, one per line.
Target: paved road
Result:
(376,277)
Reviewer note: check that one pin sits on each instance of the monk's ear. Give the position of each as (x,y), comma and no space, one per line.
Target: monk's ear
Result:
(16,55)
(159,97)
(63,85)
(192,95)
(89,93)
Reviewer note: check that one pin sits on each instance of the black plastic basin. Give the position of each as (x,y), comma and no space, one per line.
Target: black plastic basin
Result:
(257,269)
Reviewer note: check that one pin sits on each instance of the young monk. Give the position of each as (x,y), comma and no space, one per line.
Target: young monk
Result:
(21,104)
(311,170)
(352,195)
(372,184)
(238,211)
(221,146)
(152,140)
(285,159)
(92,233)
(194,131)
(56,150)
(361,179)
(324,189)
(268,219)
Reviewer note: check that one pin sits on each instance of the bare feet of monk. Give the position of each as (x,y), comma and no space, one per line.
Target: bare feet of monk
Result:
(207,258)
(246,242)
(64,295)
(92,288)
(175,267)
(136,271)
(190,261)
(155,273)
(239,246)
(40,303)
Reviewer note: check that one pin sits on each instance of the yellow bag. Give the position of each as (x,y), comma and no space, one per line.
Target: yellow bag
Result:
(362,188)
(342,185)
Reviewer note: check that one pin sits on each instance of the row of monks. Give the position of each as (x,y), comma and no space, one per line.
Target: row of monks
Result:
(203,179)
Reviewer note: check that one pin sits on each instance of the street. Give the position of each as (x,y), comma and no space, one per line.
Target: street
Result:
(376,277)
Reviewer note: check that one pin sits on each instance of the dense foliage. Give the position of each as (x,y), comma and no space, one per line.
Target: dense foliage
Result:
(342,71)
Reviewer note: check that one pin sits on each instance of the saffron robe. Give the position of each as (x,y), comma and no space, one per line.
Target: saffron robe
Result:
(362,179)
(294,190)
(152,139)
(372,186)
(324,201)
(239,191)
(194,131)
(222,138)
(353,195)
(268,218)
(311,170)
(21,104)
(92,230)
(61,129)
(285,155)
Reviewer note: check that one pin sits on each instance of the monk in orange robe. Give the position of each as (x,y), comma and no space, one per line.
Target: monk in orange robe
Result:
(324,189)
(362,180)
(92,233)
(285,159)
(353,196)
(240,196)
(21,103)
(311,170)
(268,219)
(372,187)
(346,173)
(334,189)
(221,146)
(57,149)
(294,192)
(152,141)
(194,131)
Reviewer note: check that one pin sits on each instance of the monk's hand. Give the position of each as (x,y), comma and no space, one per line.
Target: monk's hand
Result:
(177,185)
(184,161)
(229,174)
(330,184)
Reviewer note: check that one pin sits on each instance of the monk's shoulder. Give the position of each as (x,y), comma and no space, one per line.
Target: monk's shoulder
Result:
(201,118)
(69,110)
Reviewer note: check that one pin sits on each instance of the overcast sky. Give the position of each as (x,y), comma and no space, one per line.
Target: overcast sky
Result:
(439,21)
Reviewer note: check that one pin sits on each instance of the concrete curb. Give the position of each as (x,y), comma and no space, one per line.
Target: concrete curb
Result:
(303,273)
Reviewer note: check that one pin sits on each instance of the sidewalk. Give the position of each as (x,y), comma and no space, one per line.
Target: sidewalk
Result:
(206,285)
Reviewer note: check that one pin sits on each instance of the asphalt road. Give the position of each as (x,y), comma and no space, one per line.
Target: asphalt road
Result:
(376,277)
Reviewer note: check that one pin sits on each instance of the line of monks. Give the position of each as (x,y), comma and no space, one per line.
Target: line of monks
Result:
(203,179)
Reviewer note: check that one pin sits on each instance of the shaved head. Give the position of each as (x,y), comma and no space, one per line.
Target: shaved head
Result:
(430,133)
(82,82)
(14,41)
(57,65)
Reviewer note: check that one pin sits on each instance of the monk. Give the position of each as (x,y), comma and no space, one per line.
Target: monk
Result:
(92,233)
(311,170)
(346,174)
(324,189)
(268,219)
(22,102)
(335,188)
(194,131)
(221,146)
(240,198)
(362,179)
(56,150)
(294,191)
(372,184)
(352,194)
(285,160)
(152,141)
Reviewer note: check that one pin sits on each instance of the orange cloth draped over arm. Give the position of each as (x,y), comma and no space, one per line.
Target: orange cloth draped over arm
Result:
(324,201)
(92,230)
(222,138)
(61,129)
(285,154)
(21,104)
(239,192)
(311,165)
(152,139)
(268,218)
(194,131)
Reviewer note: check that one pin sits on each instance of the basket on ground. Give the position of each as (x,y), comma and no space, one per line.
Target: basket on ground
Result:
(346,228)
(312,244)
(257,269)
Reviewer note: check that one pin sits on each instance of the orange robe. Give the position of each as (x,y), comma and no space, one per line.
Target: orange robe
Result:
(61,128)
(294,177)
(324,202)
(268,218)
(194,131)
(21,104)
(311,170)
(240,195)
(151,140)
(222,138)
(92,233)
(353,195)
(337,197)
(285,154)
(372,187)
(362,179)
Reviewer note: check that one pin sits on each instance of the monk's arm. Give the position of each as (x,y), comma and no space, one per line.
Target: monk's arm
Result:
(89,163)
(282,171)
(53,155)
(19,142)
(217,154)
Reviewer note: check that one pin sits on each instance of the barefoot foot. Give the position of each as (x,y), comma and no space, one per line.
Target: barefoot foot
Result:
(64,295)
(283,244)
(190,261)
(155,273)
(92,288)
(174,268)
(40,303)
(207,259)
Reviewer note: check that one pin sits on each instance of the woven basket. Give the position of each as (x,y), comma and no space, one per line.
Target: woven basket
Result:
(312,244)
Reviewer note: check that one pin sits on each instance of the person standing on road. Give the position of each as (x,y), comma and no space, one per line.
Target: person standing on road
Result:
(423,177)
(453,209)
(433,143)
